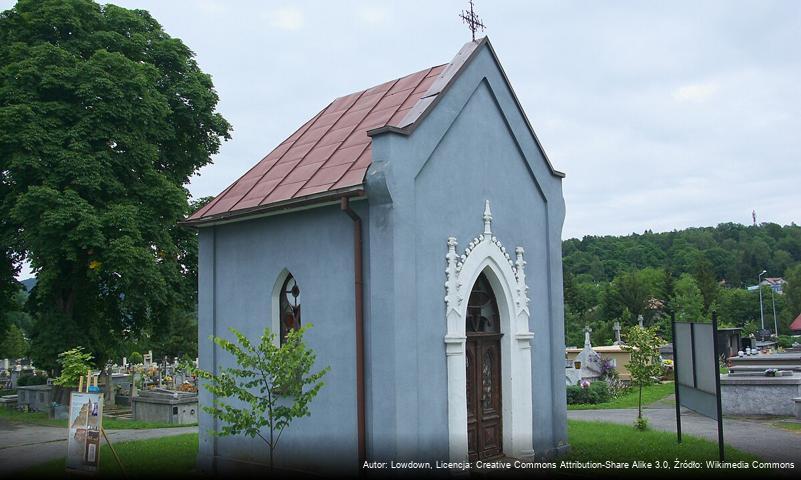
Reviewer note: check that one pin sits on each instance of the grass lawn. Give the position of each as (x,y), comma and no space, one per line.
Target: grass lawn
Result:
(650,394)
(40,418)
(158,457)
(589,441)
(793,426)
(601,441)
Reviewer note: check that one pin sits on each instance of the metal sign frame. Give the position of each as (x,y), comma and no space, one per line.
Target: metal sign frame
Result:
(697,398)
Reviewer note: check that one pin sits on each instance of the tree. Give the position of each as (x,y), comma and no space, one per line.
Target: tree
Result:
(178,338)
(13,344)
(136,358)
(687,301)
(8,284)
(270,387)
(705,280)
(628,291)
(737,306)
(792,295)
(643,344)
(74,364)
(103,119)
(16,314)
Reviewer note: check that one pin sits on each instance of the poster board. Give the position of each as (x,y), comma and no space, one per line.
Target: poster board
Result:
(697,377)
(85,421)
(697,367)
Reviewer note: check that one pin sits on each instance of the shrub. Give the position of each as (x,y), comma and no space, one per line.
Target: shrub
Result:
(641,424)
(28,380)
(136,358)
(270,387)
(597,392)
(74,363)
(610,376)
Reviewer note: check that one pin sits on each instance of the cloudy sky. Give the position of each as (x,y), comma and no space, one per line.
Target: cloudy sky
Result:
(664,115)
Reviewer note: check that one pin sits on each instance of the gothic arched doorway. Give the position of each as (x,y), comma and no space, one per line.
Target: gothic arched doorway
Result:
(483,361)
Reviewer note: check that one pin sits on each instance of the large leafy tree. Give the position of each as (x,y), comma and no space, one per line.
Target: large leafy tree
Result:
(629,291)
(103,119)
(687,301)
(13,343)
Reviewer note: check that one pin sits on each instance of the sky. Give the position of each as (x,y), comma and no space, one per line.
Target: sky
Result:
(663,115)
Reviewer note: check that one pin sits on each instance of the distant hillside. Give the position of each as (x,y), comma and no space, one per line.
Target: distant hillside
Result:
(692,271)
(736,253)
(28,283)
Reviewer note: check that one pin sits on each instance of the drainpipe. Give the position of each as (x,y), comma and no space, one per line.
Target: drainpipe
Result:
(359,297)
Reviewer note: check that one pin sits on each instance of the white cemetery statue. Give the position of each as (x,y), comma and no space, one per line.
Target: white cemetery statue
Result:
(640,321)
(148,359)
(590,361)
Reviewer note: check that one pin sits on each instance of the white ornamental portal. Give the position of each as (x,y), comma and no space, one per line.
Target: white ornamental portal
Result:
(485,254)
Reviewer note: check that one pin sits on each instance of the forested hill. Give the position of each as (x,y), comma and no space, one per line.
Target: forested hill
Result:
(692,271)
(736,253)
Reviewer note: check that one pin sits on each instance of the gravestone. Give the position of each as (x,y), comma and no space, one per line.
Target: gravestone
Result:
(616,328)
(159,405)
(589,362)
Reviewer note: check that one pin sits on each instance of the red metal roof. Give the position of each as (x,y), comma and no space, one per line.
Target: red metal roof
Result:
(329,155)
(332,151)
(796,325)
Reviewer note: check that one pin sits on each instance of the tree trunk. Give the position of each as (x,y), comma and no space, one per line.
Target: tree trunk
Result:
(639,407)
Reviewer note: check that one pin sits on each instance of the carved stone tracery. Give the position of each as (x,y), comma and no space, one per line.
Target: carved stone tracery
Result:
(485,253)
(455,294)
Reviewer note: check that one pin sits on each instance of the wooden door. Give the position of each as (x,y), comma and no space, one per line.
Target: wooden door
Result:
(483,363)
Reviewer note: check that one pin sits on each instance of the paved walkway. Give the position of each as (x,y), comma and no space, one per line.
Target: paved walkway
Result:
(23,445)
(753,435)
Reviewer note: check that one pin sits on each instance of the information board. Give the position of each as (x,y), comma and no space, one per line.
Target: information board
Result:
(83,440)
(696,371)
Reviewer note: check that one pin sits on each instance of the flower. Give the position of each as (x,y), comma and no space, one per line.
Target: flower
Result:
(584,383)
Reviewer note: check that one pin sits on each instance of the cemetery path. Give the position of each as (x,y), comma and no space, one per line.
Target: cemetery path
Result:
(23,445)
(753,435)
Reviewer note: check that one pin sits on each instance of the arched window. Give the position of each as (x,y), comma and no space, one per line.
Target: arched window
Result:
(482,308)
(289,306)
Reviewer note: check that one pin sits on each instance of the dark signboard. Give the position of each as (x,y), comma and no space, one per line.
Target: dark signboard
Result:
(697,378)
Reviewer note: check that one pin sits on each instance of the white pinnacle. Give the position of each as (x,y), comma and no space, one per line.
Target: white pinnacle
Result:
(487,218)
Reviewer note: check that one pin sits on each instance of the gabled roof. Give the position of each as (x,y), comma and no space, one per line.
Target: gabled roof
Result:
(328,156)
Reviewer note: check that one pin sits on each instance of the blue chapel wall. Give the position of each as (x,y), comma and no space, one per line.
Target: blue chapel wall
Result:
(422,189)
(239,265)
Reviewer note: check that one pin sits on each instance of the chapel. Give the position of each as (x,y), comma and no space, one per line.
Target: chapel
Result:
(417,226)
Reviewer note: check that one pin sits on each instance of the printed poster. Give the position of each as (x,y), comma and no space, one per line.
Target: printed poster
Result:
(83,440)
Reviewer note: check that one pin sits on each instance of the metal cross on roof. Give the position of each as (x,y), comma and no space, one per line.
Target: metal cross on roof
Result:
(472,20)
